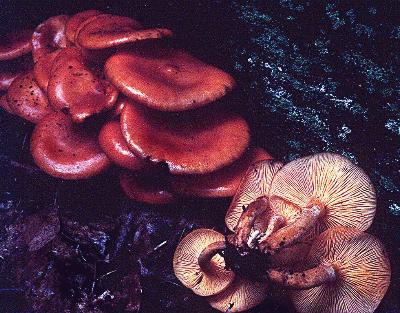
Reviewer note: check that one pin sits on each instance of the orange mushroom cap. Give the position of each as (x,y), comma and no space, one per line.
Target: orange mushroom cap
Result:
(167,79)
(340,188)
(255,183)
(42,69)
(74,86)
(221,183)
(189,143)
(148,187)
(15,44)
(119,106)
(206,280)
(362,273)
(114,145)
(4,104)
(106,30)
(27,100)
(242,295)
(76,20)
(66,150)
(49,36)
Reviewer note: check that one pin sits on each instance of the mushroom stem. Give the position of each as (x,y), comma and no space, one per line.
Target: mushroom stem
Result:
(208,253)
(275,222)
(290,234)
(247,219)
(310,278)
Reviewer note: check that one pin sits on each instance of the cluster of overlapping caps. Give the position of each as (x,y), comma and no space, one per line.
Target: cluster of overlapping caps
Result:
(307,218)
(102,89)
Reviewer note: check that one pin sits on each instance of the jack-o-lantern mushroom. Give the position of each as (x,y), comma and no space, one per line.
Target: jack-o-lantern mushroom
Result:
(75,21)
(75,87)
(255,184)
(105,31)
(149,186)
(189,143)
(240,296)
(67,150)
(221,183)
(42,69)
(322,191)
(47,40)
(166,79)
(114,145)
(198,265)
(49,36)
(27,100)
(349,271)
(15,44)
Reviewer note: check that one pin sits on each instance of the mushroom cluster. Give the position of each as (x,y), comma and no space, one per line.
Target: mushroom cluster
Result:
(304,224)
(102,90)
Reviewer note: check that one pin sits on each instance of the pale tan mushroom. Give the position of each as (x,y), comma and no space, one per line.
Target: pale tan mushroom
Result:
(349,271)
(198,265)
(318,192)
(255,183)
(242,295)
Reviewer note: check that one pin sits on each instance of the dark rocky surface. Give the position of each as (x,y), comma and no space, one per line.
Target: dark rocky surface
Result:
(313,76)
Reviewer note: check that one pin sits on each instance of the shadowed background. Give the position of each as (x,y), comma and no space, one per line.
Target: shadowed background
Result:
(312,76)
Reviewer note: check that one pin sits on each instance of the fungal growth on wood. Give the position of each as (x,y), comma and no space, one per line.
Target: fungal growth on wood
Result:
(103,90)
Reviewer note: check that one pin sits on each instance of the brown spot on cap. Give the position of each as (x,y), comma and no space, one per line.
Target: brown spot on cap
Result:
(362,273)
(207,280)
(149,187)
(255,183)
(15,44)
(66,150)
(343,191)
(74,86)
(114,145)
(49,36)
(76,20)
(27,100)
(190,143)
(242,295)
(221,183)
(167,79)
